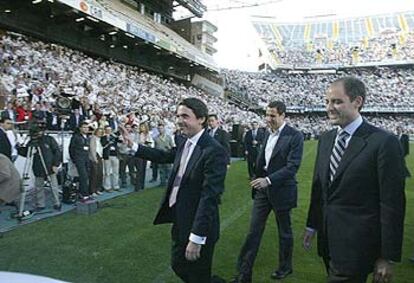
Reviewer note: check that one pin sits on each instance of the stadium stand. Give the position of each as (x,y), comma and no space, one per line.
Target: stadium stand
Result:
(377,38)
(30,66)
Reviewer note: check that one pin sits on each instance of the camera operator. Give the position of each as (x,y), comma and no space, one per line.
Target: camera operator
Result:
(79,153)
(52,158)
(111,162)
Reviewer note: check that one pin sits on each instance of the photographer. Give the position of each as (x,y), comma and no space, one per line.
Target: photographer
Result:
(51,155)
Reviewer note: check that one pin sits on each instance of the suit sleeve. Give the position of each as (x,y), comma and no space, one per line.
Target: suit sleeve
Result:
(155,155)
(72,146)
(392,197)
(293,161)
(215,169)
(315,207)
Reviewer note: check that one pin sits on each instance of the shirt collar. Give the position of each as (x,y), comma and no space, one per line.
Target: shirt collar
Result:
(194,139)
(353,126)
(278,131)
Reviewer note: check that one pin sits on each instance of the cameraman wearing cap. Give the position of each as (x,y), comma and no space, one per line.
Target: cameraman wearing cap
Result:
(51,155)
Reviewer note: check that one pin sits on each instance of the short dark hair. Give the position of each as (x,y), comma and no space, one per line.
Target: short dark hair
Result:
(353,88)
(279,105)
(83,124)
(198,107)
(213,116)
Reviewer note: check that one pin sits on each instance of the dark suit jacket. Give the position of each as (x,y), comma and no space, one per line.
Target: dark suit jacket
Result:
(283,166)
(72,122)
(360,215)
(5,146)
(405,144)
(79,147)
(248,141)
(224,139)
(196,210)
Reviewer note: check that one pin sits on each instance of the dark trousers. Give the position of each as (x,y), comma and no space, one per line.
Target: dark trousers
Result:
(141,166)
(198,271)
(251,164)
(154,171)
(83,167)
(334,276)
(123,162)
(260,212)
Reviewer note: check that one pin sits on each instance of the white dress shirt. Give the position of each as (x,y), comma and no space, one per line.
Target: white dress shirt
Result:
(271,142)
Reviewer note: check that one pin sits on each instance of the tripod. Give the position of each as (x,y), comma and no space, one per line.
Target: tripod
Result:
(32,150)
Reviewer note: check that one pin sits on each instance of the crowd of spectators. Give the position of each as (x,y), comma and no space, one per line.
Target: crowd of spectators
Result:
(387,86)
(386,46)
(104,93)
(35,74)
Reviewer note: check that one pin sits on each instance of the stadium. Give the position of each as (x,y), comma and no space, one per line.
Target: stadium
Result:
(122,69)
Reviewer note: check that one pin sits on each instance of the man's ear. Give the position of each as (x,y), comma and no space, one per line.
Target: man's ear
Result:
(359,101)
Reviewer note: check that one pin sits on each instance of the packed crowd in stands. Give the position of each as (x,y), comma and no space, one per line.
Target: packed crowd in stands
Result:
(386,46)
(387,87)
(34,73)
(314,125)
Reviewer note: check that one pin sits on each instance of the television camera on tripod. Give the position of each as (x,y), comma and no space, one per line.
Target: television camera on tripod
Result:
(43,156)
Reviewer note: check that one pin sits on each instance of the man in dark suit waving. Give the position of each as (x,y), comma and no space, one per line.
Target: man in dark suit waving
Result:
(357,204)
(275,188)
(194,187)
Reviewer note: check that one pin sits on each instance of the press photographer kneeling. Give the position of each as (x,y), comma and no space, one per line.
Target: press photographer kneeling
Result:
(44,155)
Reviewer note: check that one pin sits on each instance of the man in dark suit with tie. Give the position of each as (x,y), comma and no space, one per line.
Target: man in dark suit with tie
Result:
(253,140)
(274,189)
(5,145)
(193,190)
(357,203)
(219,134)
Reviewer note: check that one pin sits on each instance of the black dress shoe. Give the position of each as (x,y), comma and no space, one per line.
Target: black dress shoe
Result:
(280,274)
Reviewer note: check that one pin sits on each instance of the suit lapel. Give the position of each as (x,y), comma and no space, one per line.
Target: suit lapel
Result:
(194,157)
(325,155)
(176,164)
(281,140)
